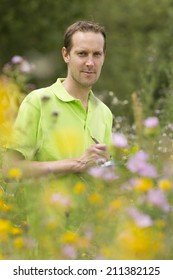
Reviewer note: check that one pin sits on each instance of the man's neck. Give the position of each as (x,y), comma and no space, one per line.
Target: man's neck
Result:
(78,92)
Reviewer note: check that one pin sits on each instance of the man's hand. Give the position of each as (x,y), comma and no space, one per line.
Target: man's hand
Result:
(95,154)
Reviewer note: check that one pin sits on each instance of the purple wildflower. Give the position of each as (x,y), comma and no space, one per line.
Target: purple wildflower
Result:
(17,59)
(24,66)
(157,198)
(129,185)
(107,174)
(69,251)
(151,122)
(138,164)
(148,170)
(142,220)
(61,199)
(119,140)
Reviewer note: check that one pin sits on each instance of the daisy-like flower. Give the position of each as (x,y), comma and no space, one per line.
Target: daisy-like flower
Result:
(138,164)
(141,219)
(165,184)
(17,59)
(119,140)
(151,126)
(151,122)
(104,173)
(24,65)
(158,198)
(15,173)
(60,199)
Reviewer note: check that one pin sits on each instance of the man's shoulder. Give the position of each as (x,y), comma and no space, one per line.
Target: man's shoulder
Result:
(45,92)
(102,106)
(40,94)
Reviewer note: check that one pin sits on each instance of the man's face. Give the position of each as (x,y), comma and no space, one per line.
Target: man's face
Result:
(85,58)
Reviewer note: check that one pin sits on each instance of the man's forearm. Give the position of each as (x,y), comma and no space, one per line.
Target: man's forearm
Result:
(35,169)
(59,167)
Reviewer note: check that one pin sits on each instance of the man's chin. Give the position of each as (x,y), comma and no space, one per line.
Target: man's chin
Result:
(90,83)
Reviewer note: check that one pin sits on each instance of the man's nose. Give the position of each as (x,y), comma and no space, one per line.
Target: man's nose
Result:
(90,61)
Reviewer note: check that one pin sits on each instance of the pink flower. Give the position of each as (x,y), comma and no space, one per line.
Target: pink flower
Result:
(142,220)
(69,251)
(105,173)
(119,140)
(157,198)
(130,184)
(60,199)
(17,59)
(25,67)
(148,170)
(151,122)
(138,164)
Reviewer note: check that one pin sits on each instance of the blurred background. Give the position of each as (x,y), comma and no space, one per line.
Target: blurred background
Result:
(139,45)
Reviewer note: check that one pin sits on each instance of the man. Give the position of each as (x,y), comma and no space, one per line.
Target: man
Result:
(64,128)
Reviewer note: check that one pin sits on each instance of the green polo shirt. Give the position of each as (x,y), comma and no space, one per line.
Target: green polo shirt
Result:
(52,125)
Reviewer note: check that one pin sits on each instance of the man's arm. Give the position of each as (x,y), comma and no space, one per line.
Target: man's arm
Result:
(34,169)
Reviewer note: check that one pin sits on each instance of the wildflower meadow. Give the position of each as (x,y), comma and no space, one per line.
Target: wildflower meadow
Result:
(121,210)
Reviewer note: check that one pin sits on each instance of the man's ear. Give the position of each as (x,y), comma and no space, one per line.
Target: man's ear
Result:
(65,55)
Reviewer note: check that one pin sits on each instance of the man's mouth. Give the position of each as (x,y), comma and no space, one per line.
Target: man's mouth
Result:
(88,72)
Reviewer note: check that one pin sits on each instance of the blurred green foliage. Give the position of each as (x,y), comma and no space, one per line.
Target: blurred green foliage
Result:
(139,43)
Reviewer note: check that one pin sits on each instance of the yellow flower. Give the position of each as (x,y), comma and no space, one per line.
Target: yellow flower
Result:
(115,205)
(137,242)
(16,231)
(165,184)
(5,228)
(144,184)
(96,198)
(15,173)
(70,237)
(19,242)
(4,207)
(79,187)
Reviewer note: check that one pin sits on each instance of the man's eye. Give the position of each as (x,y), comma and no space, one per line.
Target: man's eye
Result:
(82,54)
(97,54)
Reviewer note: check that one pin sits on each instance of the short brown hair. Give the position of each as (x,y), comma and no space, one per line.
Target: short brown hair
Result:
(83,26)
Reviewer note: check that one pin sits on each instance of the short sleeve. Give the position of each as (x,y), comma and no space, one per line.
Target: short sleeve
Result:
(26,129)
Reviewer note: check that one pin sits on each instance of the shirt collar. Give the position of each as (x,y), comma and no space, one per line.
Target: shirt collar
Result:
(62,94)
